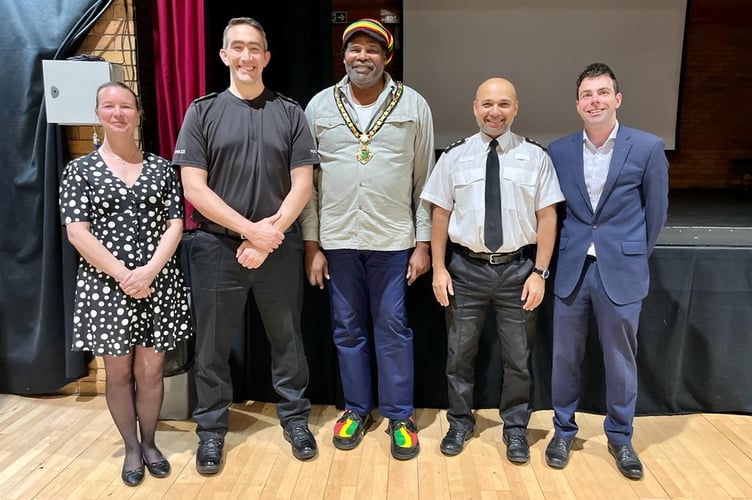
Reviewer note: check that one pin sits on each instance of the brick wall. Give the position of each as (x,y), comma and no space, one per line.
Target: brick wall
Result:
(110,39)
(715,97)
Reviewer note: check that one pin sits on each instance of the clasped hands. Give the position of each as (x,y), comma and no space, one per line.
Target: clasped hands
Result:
(136,282)
(260,241)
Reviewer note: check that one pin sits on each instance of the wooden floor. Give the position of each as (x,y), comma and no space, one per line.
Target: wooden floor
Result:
(67,447)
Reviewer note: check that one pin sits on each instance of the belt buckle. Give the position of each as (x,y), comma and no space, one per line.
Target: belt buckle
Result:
(496,258)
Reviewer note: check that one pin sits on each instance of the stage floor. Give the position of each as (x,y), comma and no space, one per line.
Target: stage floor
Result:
(708,218)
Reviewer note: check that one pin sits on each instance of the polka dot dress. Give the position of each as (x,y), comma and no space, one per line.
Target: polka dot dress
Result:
(129,222)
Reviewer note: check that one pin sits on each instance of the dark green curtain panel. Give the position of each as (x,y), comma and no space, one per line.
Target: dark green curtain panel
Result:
(37,268)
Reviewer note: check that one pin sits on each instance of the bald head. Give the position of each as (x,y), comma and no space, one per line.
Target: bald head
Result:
(495,106)
(495,86)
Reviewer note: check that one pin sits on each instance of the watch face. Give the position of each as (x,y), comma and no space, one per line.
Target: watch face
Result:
(544,273)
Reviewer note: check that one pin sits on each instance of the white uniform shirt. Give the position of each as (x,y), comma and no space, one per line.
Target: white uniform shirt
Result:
(528,183)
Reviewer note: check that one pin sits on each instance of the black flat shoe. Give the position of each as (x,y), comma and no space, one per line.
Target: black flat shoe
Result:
(133,477)
(160,468)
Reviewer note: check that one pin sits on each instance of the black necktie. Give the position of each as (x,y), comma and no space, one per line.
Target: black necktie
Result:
(492,234)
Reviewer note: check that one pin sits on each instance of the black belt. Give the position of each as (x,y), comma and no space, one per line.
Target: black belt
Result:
(495,258)
(210,227)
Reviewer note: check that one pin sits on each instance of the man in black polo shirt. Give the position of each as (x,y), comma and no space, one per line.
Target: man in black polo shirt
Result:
(246,158)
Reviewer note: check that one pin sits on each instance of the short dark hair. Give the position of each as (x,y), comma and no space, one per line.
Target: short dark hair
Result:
(244,20)
(595,70)
(120,85)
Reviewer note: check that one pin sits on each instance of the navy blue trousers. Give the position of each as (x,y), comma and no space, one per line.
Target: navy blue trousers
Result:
(617,332)
(365,287)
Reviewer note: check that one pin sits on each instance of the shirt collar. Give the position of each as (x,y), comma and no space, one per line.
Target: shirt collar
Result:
(609,140)
(390,86)
(504,140)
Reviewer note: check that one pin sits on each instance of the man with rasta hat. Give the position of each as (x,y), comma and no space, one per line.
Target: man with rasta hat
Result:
(366,230)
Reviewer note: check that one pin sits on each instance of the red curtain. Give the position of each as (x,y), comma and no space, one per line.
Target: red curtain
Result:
(179,62)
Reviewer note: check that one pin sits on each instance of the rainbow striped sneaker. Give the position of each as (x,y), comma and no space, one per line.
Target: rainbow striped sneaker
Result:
(404,434)
(349,429)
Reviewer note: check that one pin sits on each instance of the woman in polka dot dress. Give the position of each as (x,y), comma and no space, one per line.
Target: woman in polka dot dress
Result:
(123,213)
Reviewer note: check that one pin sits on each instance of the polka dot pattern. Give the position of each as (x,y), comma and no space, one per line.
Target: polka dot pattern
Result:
(129,221)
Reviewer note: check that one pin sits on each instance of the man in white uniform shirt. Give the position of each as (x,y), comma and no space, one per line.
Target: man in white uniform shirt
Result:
(499,255)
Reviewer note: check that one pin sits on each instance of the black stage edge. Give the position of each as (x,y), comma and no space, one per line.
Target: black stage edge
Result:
(708,218)
(695,338)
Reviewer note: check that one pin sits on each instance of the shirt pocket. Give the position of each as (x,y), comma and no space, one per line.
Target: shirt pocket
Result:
(519,186)
(397,134)
(469,187)
(330,123)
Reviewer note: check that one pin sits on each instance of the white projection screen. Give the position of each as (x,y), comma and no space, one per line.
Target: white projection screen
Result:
(450,46)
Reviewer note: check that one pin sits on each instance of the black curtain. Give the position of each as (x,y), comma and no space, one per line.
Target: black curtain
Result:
(37,268)
(300,42)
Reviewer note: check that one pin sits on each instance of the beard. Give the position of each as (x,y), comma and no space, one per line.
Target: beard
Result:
(364,79)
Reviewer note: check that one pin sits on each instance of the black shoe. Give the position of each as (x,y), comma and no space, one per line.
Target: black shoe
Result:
(557,452)
(160,468)
(454,441)
(209,456)
(404,438)
(627,460)
(518,451)
(349,430)
(133,477)
(301,440)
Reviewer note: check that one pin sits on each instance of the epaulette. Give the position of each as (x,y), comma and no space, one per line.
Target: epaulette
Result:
(206,97)
(455,144)
(288,99)
(527,139)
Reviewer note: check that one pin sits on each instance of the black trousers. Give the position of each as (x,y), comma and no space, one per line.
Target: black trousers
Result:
(477,285)
(220,288)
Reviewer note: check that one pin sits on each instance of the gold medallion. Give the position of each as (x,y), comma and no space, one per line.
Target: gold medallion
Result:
(364,154)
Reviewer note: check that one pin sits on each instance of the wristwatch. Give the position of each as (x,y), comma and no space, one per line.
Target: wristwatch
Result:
(543,273)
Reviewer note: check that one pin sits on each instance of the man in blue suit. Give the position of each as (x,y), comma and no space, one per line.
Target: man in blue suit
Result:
(615,185)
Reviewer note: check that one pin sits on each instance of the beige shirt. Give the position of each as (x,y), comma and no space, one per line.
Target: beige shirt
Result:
(375,206)
(528,183)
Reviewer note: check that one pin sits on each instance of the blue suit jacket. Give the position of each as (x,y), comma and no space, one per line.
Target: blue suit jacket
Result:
(625,224)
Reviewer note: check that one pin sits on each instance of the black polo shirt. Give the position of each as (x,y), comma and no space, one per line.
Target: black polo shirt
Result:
(247,147)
